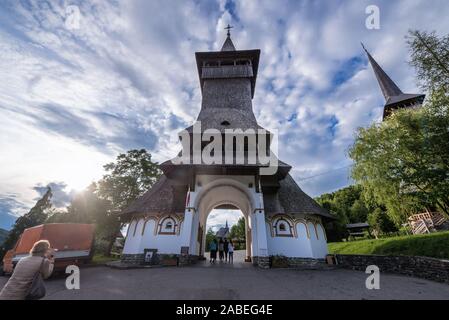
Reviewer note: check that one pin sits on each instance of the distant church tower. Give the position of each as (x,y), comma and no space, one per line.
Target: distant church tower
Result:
(280,219)
(394,97)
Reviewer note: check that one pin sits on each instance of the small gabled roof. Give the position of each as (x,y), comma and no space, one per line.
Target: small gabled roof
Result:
(223,232)
(228,45)
(357,225)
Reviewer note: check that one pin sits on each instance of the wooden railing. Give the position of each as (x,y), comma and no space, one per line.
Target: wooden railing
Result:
(439,219)
(420,227)
(237,71)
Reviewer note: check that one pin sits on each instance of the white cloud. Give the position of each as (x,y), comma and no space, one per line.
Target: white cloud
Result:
(218,218)
(71,100)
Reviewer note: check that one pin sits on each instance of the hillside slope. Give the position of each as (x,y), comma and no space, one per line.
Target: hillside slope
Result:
(435,245)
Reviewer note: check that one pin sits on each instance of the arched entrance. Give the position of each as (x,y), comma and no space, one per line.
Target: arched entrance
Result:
(228,222)
(222,194)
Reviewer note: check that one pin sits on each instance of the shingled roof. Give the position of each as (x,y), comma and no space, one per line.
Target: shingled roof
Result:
(221,119)
(162,198)
(292,200)
(228,45)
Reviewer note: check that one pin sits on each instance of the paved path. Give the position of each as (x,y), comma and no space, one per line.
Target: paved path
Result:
(240,281)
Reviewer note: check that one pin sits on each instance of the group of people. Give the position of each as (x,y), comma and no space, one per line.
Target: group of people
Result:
(225,250)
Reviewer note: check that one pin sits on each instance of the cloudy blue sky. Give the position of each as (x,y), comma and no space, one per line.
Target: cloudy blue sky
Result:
(74,96)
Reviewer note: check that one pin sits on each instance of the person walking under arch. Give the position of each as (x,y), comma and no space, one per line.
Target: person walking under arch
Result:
(213,251)
(231,251)
(225,249)
(221,250)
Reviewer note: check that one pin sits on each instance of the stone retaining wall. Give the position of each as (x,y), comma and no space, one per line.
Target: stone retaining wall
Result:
(420,267)
(305,262)
(132,258)
(295,262)
(161,259)
(184,260)
(261,262)
(287,262)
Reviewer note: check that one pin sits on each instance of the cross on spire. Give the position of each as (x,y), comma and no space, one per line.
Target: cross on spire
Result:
(228,45)
(229,27)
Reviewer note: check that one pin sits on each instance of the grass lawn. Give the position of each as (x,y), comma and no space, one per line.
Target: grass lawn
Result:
(434,245)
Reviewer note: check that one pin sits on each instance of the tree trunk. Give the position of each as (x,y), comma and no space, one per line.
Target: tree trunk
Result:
(109,248)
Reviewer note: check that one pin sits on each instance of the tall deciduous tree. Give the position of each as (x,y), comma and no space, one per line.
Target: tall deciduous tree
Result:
(380,223)
(404,162)
(36,216)
(430,57)
(238,231)
(129,177)
(348,205)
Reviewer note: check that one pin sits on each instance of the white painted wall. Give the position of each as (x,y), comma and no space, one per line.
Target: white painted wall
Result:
(247,200)
(134,244)
(299,247)
(194,243)
(169,244)
(317,241)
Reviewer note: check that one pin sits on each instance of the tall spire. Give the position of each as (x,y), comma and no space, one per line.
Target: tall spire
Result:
(394,97)
(228,45)
(388,87)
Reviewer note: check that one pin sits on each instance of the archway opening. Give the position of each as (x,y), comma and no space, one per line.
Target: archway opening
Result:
(215,196)
(227,224)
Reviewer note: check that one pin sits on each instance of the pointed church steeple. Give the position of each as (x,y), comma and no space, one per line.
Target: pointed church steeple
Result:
(388,87)
(228,45)
(394,97)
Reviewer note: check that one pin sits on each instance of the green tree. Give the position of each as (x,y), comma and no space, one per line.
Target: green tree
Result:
(87,207)
(358,211)
(430,57)
(128,178)
(404,161)
(348,206)
(36,216)
(238,231)
(210,236)
(380,223)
